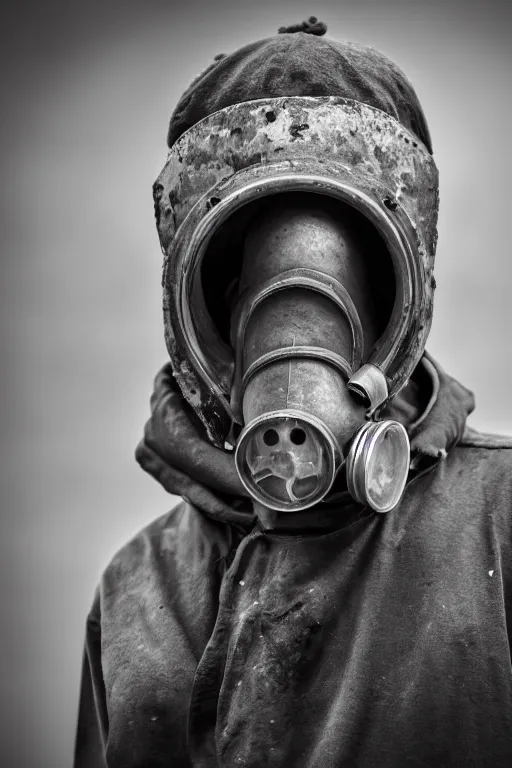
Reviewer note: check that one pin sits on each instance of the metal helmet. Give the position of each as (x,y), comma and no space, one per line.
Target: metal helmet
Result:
(332,146)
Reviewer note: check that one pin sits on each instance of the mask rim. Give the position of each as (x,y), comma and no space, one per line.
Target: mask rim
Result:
(189,251)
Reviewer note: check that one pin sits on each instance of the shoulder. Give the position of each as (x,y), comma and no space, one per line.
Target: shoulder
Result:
(178,543)
(472,486)
(485,459)
(156,608)
(477,473)
(488,456)
(474,439)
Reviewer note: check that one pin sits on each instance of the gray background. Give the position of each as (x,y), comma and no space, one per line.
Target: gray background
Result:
(89,89)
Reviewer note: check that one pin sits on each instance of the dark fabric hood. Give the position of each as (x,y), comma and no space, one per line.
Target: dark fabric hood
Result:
(301,64)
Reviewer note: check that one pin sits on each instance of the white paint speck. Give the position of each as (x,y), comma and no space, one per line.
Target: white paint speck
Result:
(154,718)
(312,589)
(491,573)
(256,602)
(272,721)
(241,583)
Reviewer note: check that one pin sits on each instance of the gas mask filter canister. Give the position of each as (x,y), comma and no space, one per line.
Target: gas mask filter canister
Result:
(299,339)
(291,447)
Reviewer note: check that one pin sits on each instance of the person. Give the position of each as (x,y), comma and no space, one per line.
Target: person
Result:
(335,587)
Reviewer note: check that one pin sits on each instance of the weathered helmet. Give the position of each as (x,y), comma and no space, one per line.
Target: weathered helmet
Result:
(342,147)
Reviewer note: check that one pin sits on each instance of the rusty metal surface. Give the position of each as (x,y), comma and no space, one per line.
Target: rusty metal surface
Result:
(326,136)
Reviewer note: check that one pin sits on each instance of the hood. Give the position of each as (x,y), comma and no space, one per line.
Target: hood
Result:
(301,64)
(433,408)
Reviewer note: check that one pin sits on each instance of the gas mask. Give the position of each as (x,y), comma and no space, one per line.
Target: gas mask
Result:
(278,219)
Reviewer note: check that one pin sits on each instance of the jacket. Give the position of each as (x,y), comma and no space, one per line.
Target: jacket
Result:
(344,639)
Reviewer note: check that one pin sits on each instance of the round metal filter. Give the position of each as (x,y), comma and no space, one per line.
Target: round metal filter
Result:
(287,460)
(378,465)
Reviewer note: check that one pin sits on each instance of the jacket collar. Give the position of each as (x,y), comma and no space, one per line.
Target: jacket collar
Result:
(439,424)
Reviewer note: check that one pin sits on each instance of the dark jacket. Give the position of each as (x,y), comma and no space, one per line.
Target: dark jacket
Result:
(340,639)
